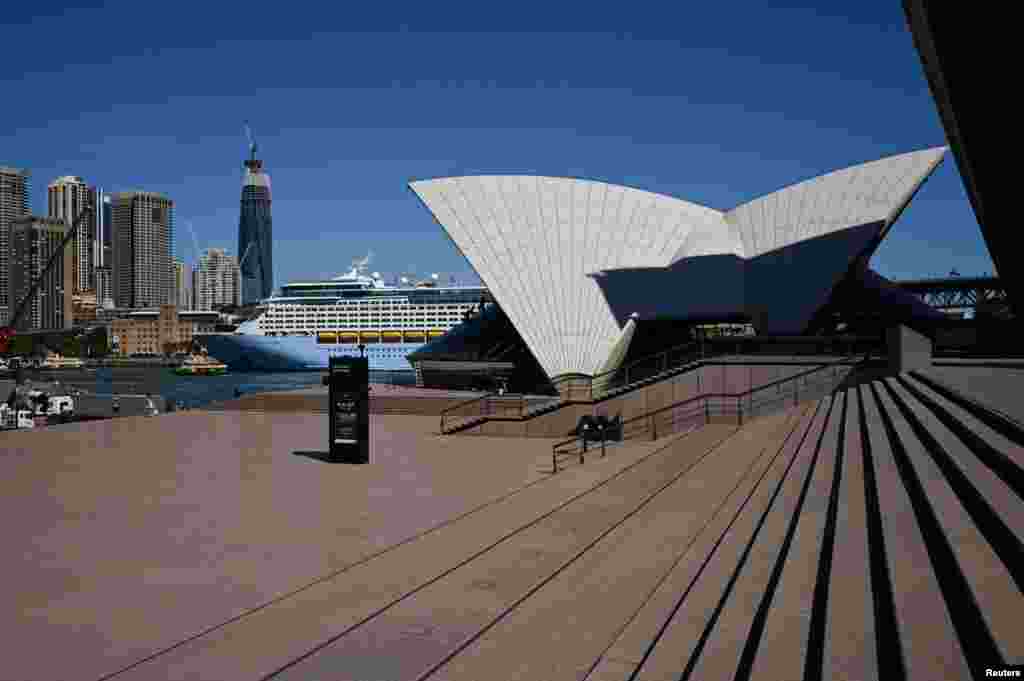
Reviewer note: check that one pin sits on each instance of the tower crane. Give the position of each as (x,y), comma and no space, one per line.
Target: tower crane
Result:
(7,333)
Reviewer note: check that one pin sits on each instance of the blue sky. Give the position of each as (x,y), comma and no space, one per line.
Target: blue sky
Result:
(716,104)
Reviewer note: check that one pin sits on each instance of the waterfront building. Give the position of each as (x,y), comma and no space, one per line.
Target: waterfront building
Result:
(255,233)
(34,240)
(577,264)
(14,188)
(143,235)
(219,280)
(83,308)
(160,331)
(66,197)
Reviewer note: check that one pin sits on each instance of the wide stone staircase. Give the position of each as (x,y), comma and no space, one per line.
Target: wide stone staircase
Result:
(874,533)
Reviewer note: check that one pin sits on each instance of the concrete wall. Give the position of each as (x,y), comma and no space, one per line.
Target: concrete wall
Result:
(735,377)
(572,388)
(102,406)
(908,349)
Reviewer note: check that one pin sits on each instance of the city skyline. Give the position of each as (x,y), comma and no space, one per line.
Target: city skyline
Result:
(718,121)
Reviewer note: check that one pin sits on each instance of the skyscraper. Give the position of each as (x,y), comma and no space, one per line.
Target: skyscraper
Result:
(255,233)
(13,205)
(143,227)
(104,287)
(218,280)
(182,285)
(66,196)
(104,228)
(33,241)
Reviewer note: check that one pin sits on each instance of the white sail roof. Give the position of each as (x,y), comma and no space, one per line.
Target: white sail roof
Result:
(858,195)
(533,240)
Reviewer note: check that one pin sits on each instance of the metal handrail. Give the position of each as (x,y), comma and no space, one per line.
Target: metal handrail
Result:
(705,348)
(485,401)
(445,412)
(706,398)
(611,373)
(694,360)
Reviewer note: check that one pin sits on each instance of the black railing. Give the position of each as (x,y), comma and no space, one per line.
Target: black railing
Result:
(701,409)
(467,410)
(680,356)
(637,370)
(489,405)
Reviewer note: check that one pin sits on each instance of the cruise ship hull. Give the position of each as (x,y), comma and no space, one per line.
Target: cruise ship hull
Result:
(245,352)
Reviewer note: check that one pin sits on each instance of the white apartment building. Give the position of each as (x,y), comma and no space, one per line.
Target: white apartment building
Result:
(217,280)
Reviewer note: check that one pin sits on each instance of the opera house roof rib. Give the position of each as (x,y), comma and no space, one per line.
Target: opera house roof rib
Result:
(569,260)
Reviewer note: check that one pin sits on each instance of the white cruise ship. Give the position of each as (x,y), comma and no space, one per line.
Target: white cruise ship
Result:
(311,321)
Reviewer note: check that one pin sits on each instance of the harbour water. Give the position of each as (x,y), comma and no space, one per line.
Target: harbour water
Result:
(193,391)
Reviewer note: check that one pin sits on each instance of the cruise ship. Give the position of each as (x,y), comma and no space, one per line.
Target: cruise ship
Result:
(311,321)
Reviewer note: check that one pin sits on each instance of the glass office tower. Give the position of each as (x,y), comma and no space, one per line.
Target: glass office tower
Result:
(255,233)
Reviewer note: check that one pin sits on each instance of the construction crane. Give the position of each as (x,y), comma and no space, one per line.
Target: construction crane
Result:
(7,333)
(246,255)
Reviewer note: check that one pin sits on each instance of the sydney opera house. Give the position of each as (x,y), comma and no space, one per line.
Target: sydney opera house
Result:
(577,264)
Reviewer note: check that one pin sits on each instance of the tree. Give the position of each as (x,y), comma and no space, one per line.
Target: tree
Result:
(22,345)
(72,347)
(99,342)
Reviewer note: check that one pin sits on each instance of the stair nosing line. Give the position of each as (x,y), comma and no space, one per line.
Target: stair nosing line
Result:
(1004,468)
(373,556)
(976,640)
(792,426)
(998,421)
(660,450)
(756,632)
(579,554)
(1000,537)
(888,643)
(814,661)
(711,554)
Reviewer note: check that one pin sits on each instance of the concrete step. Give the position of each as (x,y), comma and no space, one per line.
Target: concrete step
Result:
(734,642)
(980,409)
(996,389)
(922,641)
(849,650)
(791,639)
(1000,453)
(453,610)
(964,497)
(562,629)
(691,630)
(276,635)
(642,629)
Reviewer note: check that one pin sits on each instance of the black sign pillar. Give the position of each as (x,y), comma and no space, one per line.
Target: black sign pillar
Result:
(348,392)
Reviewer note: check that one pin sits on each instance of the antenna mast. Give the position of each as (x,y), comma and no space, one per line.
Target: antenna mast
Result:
(251,140)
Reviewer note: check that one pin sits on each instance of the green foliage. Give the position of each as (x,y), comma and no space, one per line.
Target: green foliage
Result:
(98,343)
(72,347)
(22,345)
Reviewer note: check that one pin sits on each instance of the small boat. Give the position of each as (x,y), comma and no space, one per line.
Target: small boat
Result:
(55,361)
(201,366)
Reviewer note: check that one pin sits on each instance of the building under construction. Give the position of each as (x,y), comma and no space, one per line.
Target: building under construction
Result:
(255,233)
